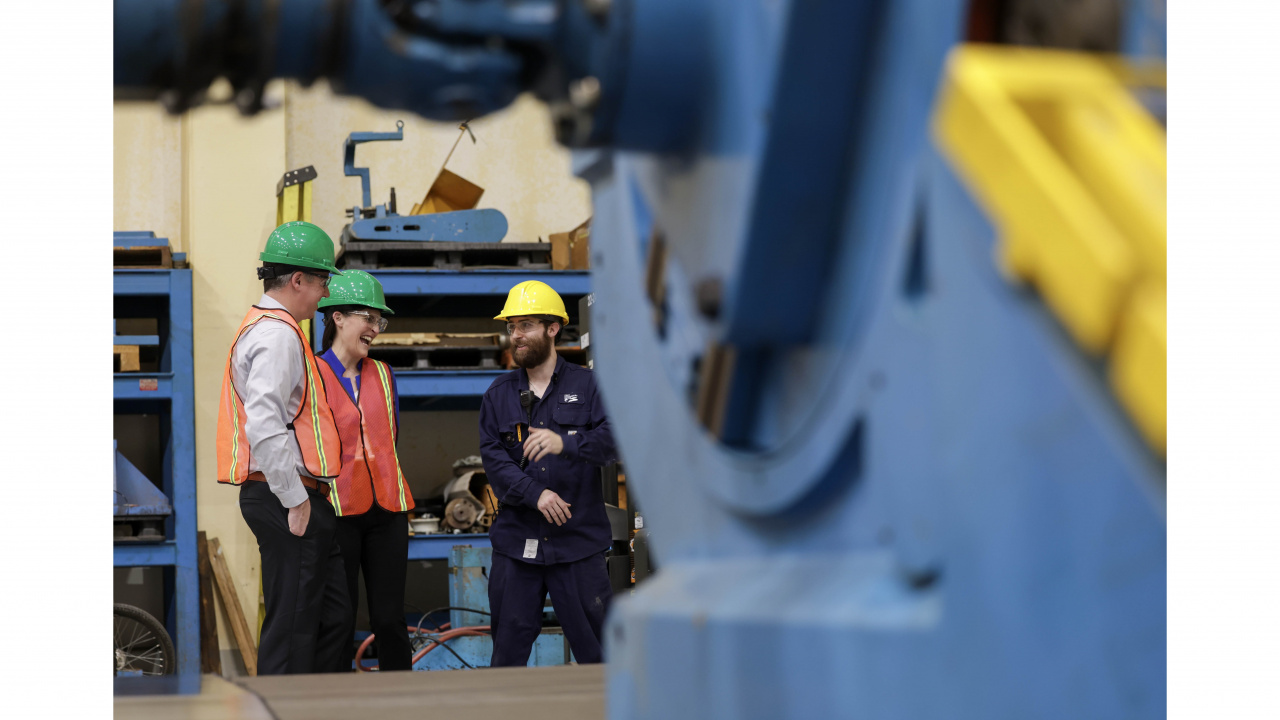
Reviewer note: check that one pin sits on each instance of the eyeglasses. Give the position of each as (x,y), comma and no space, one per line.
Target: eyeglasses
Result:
(380,323)
(524,326)
(324,279)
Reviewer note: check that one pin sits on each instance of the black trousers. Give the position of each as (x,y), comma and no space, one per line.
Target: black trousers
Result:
(378,543)
(580,593)
(306,627)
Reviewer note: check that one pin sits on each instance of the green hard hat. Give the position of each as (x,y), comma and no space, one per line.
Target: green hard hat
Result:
(356,287)
(302,244)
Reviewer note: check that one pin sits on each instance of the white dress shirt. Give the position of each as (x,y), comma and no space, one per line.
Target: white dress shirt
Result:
(267,373)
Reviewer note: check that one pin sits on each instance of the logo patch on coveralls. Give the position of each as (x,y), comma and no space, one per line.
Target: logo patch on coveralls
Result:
(571,398)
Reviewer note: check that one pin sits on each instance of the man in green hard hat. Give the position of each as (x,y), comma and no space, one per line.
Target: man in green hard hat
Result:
(278,441)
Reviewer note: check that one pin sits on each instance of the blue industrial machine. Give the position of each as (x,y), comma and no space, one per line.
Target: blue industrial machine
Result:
(381,222)
(880,480)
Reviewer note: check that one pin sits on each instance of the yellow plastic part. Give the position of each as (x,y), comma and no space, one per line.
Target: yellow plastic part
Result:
(1138,363)
(294,203)
(532,297)
(1072,170)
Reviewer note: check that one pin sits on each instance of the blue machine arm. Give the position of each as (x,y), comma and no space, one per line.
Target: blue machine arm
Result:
(349,155)
(879,482)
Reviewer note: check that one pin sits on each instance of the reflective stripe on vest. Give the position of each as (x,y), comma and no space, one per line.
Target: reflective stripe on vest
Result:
(370,468)
(313,426)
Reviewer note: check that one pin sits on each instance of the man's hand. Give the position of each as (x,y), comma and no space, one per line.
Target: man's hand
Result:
(299,516)
(553,508)
(540,443)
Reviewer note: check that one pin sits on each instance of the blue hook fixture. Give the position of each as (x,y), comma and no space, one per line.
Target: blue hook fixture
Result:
(349,157)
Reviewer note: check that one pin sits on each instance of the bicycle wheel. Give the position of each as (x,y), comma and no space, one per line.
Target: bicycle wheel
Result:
(142,647)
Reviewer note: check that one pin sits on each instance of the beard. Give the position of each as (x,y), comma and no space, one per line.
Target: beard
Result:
(534,353)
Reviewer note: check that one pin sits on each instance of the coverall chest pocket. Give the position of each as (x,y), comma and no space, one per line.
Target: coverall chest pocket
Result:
(571,418)
(513,435)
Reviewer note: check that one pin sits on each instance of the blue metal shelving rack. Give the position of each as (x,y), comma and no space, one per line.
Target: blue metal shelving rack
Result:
(171,394)
(418,385)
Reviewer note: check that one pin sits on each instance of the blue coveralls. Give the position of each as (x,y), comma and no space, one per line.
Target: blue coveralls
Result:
(531,556)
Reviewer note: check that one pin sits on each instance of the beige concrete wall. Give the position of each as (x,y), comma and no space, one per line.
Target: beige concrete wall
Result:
(207,182)
(147,184)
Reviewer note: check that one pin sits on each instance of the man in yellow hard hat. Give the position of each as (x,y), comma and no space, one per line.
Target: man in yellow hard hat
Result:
(543,432)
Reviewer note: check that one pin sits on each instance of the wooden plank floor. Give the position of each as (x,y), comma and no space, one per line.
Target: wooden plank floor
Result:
(544,693)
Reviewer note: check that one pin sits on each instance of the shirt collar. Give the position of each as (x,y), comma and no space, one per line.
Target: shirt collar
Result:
(331,357)
(266,301)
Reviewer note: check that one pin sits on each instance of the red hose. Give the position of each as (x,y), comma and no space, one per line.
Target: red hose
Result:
(369,641)
(457,632)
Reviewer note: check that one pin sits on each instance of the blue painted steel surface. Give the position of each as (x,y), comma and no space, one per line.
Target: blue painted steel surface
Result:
(126,386)
(932,507)
(134,493)
(135,340)
(478,282)
(146,555)
(141,282)
(438,547)
(444,383)
(132,239)
(175,384)
(1145,29)
(469,569)
(349,157)
(989,541)
(470,226)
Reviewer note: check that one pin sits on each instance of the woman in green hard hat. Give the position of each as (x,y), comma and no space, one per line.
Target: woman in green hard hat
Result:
(370,497)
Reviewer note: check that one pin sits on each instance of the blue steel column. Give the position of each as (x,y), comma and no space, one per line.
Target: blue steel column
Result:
(182,451)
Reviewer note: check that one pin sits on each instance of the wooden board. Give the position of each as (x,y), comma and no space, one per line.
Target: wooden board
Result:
(231,603)
(373,254)
(210,653)
(153,256)
(440,339)
(438,357)
(128,357)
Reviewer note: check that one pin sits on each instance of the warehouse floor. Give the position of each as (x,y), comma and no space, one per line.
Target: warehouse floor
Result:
(569,691)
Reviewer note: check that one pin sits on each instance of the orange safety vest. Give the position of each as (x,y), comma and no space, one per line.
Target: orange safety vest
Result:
(313,427)
(370,467)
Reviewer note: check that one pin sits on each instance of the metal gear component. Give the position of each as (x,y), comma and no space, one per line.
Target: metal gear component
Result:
(461,512)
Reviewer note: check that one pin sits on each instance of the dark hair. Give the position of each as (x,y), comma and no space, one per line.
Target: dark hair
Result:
(330,327)
(280,274)
(548,319)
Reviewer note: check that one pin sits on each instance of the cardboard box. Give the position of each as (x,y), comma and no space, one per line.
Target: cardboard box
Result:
(561,251)
(448,193)
(580,249)
(581,252)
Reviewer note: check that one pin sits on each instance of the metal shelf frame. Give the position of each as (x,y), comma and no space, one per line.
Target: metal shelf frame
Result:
(174,390)
(427,384)
(437,547)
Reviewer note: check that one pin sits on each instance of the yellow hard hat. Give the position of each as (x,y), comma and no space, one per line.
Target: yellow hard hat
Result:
(533,298)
